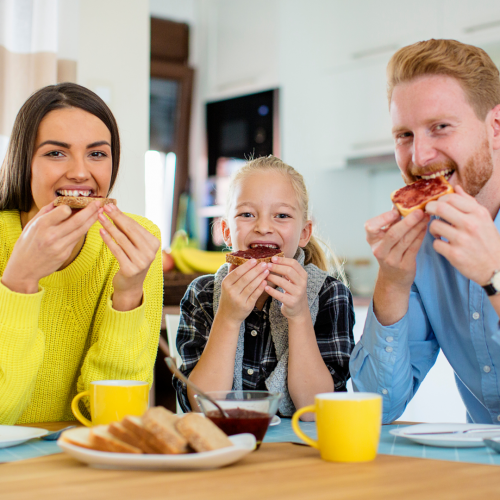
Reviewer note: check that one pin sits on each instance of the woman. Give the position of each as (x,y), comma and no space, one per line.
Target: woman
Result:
(80,291)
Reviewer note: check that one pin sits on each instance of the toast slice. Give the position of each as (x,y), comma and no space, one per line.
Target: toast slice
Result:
(100,439)
(262,254)
(418,194)
(202,433)
(161,422)
(79,437)
(81,201)
(127,436)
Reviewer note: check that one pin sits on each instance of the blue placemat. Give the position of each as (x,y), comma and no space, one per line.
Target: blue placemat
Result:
(31,449)
(392,445)
(389,445)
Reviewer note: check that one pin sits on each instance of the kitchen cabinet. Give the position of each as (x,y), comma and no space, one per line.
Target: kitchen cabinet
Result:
(333,72)
(337,116)
(324,35)
(242,47)
(471,21)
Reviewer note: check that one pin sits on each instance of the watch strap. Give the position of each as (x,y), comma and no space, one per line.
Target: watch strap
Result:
(490,290)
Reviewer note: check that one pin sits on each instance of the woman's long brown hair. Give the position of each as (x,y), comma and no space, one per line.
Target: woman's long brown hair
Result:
(15,173)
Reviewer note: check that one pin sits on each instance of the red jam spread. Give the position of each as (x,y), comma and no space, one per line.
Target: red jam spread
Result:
(241,420)
(419,192)
(257,253)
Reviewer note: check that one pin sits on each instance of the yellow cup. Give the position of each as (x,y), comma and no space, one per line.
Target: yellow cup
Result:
(348,425)
(111,400)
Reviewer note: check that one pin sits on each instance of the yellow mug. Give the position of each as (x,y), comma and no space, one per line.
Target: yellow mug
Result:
(348,425)
(111,400)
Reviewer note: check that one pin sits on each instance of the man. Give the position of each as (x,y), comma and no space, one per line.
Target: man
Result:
(439,278)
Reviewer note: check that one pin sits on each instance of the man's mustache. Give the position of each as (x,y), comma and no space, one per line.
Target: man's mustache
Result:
(415,172)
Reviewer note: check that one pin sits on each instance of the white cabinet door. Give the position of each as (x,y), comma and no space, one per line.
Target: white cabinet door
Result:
(242,46)
(329,34)
(338,116)
(471,21)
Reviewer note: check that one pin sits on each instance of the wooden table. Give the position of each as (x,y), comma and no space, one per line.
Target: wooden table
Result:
(276,471)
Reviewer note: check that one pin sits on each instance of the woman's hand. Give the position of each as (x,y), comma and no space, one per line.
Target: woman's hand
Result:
(135,250)
(292,278)
(240,290)
(45,244)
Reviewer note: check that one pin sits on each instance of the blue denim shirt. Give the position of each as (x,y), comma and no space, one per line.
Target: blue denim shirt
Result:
(446,311)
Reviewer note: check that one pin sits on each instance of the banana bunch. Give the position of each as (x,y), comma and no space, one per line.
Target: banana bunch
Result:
(190,260)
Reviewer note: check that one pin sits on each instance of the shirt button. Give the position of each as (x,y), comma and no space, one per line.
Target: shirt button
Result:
(388,349)
(389,339)
(486,369)
(475,315)
(385,391)
(250,371)
(498,418)
(253,333)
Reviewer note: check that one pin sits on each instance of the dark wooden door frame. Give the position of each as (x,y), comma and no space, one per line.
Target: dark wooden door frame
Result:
(184,75)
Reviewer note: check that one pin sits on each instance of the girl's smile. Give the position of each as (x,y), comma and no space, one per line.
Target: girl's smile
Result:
(264,212)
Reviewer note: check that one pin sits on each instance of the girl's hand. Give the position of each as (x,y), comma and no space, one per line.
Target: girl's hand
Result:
(292,277)
(135,249)
(240,290)
(45,245)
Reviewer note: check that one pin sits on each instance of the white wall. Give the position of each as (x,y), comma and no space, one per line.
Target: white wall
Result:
(437,398)
(181,11)
(114,40)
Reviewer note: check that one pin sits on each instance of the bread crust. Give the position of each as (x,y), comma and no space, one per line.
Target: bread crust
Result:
(238,261)
(101,440)
(405,211)
(81,201)
(161,422)
(202,433)
(77,437)
(126,435)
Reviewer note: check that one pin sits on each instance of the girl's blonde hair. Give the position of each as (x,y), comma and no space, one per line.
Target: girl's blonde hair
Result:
(316,251)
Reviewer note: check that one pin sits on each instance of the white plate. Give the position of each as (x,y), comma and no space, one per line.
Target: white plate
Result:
(12,435)
(275,421)
(243,445)
(459,439)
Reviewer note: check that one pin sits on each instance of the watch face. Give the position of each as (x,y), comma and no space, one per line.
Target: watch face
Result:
(495,281)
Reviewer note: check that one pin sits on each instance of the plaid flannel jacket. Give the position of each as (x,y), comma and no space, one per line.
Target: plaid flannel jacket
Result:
(333,328)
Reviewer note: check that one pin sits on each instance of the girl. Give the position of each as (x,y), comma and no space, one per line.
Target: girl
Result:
(284,326)
(80,293)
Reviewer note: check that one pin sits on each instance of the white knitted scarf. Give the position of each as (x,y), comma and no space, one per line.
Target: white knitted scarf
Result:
(277,381)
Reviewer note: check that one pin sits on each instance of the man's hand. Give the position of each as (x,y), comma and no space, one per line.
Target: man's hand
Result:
(472,243)
(395,243)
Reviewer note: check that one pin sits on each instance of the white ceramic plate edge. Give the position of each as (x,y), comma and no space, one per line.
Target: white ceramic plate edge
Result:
(445,440)
(243,445)
(18,434)
(275,421)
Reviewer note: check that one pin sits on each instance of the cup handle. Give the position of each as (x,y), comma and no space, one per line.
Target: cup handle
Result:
(76,410)
(296,428)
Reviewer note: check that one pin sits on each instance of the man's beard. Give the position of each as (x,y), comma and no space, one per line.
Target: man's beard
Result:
(473,176)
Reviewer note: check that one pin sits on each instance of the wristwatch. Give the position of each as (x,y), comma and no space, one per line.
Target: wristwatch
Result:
(493,286)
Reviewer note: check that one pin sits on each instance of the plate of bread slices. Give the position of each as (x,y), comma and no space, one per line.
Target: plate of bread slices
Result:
(159,440)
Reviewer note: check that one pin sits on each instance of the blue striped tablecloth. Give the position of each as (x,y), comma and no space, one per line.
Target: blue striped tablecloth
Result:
(389,445)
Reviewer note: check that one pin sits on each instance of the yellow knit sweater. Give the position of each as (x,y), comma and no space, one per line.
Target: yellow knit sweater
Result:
(55,342)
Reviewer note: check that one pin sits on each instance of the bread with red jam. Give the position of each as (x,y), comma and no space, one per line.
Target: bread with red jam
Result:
(418,194)
(261,254)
